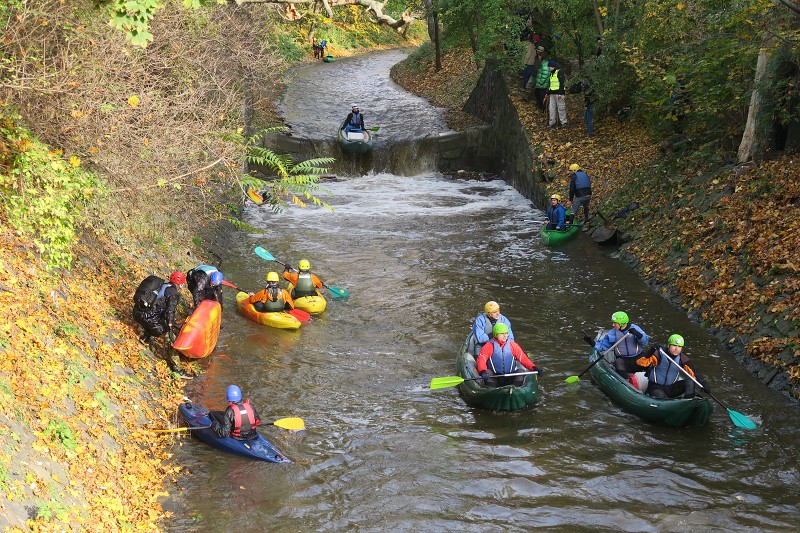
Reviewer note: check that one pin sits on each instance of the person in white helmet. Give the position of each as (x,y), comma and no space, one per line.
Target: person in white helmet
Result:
(354,120)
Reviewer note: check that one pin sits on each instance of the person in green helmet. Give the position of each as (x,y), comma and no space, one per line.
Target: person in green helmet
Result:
(304,282)
(502,356)
(664,379)
(627,351)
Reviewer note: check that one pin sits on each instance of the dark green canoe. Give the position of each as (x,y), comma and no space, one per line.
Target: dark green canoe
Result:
(678,412)
(355,146)
(508,398)
(556,237)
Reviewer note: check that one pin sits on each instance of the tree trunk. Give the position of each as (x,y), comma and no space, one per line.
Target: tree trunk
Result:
(752,145)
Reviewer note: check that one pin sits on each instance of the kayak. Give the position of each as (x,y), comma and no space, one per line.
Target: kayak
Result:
(678,412)
(258,448)
(328,58)
(358,142)
(506,398)
(199,334)
(556,237)
(280,319)
(314,305)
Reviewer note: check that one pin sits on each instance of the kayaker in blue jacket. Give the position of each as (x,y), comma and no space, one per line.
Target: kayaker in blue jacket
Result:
(204,282)
(556,214)
(502,356)
(627,351)
(354,120)
(239,420)
(664,378)
(484,322)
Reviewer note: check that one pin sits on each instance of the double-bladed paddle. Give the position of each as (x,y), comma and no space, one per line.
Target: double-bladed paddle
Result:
(299,314)
(738,419)
(575,379)
(292,423)
(336,292)
(452,381)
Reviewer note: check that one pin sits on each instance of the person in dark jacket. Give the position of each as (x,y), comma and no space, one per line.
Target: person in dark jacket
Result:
(556,214)
(239,420)
(502,356)
(205,283)
(354,120)
(556,96)
(580,191)
(664,378)
(159,318)
(629,350)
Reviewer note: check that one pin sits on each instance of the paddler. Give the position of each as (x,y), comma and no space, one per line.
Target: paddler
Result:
(628,351)
(502,356)
(239,420)
(664,378)
(205,283)
(272,299)
(484,322)
(305,283)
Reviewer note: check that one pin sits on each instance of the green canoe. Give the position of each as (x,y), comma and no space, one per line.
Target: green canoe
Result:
(355,146)
(508,398)
(556,237)
(678,412)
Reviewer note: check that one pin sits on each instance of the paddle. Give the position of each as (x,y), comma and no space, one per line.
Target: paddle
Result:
(738,419)
(575,379)
(291,423)
(336,292)
(374,128)
(452,381)
(299,314)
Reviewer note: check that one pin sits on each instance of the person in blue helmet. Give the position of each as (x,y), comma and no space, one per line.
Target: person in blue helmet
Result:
(627,351)
(205,283)
(239,420)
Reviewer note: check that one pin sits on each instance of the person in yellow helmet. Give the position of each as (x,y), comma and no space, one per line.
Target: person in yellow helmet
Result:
(484,322)
(580,191)
(502,356)
(272,299)
(305,283)
(556,214)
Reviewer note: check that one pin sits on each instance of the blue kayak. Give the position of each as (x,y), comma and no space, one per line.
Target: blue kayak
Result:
(259,448)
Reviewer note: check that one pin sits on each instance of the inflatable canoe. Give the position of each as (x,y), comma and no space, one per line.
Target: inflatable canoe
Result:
(314,305)
(280,320)
(200,332)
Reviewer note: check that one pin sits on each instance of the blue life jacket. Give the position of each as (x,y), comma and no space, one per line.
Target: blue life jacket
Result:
(665,373)
(208,269)
(305,285)
(357,120)
(582,180)
(502,361)
(630,347)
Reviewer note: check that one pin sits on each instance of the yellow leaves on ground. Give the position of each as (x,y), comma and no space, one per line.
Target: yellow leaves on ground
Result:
(133,100)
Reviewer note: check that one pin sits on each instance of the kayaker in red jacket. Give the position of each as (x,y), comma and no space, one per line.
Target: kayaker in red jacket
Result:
(239,420)
(501,356)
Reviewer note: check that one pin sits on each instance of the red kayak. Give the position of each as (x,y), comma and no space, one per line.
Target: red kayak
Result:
(200,332)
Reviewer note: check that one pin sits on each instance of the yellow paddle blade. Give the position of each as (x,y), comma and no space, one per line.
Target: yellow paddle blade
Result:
(443,383)
(293,423)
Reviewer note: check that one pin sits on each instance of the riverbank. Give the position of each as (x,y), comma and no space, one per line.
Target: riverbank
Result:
(705,236)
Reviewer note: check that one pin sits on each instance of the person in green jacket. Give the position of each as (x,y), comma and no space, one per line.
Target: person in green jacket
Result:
(542,79)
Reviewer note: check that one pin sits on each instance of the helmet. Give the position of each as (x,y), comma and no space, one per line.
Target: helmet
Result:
(272,276)
(574,166)
(491,307)
(233,394)
(304,265)
(216,278)
(620,317)
(499,328)
(178,278)
(675,340)
(355,106)
(556,197)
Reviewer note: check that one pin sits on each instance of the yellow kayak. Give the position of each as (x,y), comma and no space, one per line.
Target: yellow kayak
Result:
(280,320)
(310,304)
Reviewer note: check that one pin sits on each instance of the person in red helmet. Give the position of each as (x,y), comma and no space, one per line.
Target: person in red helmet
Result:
(154,308)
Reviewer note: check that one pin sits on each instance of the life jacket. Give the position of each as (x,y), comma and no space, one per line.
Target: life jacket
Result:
(160,303)
(630,347)
(555,85)
(582,180)
(665,373)
(553,213)
(357,120)
(274,302)
(242,425)
(502,360)
(305,285)
(208,269)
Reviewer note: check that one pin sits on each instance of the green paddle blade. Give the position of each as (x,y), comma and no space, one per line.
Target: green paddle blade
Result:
(261,252)
(573,379)
(740,420)
(443,383)
(338,292)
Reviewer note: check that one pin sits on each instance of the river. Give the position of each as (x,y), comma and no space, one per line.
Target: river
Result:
(420,256)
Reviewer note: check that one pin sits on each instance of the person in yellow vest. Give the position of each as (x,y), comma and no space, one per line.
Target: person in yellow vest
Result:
(272,299)
(556,96)
(305,283)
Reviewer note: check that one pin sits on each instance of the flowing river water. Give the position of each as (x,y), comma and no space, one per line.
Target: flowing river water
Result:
(420,256)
